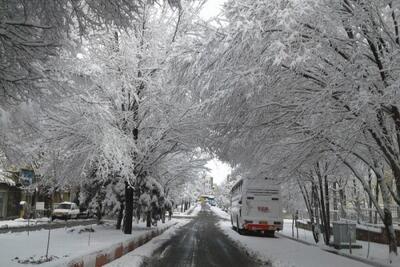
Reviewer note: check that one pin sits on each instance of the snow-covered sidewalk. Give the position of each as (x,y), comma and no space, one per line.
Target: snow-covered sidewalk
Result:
(378,253)
(139,255)
(66,244)
(283,252)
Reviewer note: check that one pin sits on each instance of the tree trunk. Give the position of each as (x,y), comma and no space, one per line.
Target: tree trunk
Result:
(315,226)
(163,215)
(377,201)
(342,200)
(120,216)
(324,206)
(335,201)
(128,209)
(387,218)
(369,198)
(148,219)
(327,210)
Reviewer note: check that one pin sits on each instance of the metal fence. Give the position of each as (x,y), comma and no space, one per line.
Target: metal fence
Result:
(362,215)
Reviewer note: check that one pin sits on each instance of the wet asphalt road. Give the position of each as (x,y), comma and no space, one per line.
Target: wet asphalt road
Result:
(201,243)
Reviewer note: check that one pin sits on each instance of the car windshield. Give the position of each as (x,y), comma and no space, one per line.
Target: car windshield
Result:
(64,206)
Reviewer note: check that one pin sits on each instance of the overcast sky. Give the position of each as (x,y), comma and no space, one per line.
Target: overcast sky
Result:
(219,170)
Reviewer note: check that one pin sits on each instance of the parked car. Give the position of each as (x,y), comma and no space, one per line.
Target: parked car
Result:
(65,210)
(85,213)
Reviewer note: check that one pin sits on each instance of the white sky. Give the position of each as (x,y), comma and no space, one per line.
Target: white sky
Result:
(211,9)
(219,170)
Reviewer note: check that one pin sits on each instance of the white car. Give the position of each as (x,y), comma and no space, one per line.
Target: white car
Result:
(65,210)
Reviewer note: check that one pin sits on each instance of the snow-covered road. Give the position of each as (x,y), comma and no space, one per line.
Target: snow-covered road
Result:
(199,243)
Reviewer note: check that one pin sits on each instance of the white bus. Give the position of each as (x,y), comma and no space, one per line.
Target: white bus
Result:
(256,206)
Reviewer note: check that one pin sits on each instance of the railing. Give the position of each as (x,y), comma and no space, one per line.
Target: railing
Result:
(363,215)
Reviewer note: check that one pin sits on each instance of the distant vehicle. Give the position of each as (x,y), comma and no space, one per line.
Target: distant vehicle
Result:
(210,199)
(256,206)
(65,210)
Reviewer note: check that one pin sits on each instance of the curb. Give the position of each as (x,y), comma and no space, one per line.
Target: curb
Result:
(102,257)
(336,252)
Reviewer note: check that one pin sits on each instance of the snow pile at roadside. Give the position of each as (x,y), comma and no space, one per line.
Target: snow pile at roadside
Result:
(195,210)
(137,257)
(192,211)
(220,213)
(282,252)
(22,222)
(65,243)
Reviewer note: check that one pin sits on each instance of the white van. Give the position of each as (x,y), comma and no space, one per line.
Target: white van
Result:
(256,206)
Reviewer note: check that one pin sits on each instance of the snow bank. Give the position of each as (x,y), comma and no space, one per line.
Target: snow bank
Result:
(22,222)
(196,210)
(191,212)
(139,255)
(282,252)
(220,213)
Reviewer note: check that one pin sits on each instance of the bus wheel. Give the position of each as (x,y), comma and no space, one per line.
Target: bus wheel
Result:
(240,231)
(270,233)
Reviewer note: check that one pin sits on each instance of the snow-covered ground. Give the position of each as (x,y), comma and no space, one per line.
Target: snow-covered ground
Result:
(65,243)
(137,256)
(373,251)
(283,252)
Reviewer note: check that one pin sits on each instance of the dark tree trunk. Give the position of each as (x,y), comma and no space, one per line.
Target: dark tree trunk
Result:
(377,201)
(315,225)
(342,199)
(388,222)
(163,215)
(120,216)
(327,210)
(370,199)
(128,209)
(148,219)
(324,206)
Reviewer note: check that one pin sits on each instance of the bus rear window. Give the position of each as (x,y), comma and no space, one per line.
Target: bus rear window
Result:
(262,192)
